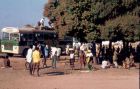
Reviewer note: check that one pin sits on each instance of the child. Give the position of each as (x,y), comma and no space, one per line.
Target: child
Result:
(89,59)
(54,59)
(132,63)
(6,62)
(82,59)
(126,63)
(72,59)
(36,60)
(115,58)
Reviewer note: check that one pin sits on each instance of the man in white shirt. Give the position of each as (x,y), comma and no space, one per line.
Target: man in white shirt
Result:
(42,21)
(72,59)
(29,59)
(53,51)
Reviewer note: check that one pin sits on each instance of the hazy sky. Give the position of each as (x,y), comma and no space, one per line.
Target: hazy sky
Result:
(17,13)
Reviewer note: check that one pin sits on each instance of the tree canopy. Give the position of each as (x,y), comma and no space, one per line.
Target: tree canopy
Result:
(96,20)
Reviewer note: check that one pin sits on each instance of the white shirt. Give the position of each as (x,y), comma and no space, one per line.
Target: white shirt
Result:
(104,64)
(71,55)
(82,47)
(58,51)
(53,50)
(33,47)
(42,20)
(29,55)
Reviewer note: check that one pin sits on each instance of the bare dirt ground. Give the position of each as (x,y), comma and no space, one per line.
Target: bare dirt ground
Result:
(17,77)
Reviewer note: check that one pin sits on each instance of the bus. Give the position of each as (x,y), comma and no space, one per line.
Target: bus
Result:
(17,40)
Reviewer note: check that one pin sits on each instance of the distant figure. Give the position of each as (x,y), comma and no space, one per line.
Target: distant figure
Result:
(89,59)
(44,51)
(36,60)
(126,63)
(42,21)
(100,57)
(6,62)
(82,59)
(105,64)
(138,53)
(67,49)
(28,63)
(129,62)
(115,58)
(72,59)
(46,55)
(132,62)
(58,53)
(53,50)
(54,59)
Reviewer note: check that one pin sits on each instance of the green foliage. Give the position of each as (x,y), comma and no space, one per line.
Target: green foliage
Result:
(95,19)
(122,28)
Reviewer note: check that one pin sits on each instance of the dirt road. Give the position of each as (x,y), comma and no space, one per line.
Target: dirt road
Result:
(63,78)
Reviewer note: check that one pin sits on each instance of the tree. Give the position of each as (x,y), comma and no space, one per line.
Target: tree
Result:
(95,19)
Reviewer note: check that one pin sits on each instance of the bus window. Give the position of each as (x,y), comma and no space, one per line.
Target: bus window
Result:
(39,36)
(23,39)
(30,37)
(45,36)
(14,36)
(5,36)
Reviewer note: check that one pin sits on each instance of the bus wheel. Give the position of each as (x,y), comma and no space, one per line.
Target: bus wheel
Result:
(24,52)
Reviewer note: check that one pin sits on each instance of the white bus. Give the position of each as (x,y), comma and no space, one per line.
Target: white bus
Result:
(17,40)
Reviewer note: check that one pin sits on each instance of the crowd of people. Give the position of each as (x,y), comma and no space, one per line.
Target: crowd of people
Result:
(38,53)
(107,57)
(87,56)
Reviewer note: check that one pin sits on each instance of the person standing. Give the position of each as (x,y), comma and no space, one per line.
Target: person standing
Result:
(6,61)
(42,23)
(89,59)
(46,54)
(58,54)
(115,58)
(36,60)
(93,51)
(132,62)
(82,59)
(29,59)
(54,59)
(67,49)
(72,59)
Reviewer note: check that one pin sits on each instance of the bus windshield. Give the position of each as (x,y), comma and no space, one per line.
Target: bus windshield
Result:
(5,36)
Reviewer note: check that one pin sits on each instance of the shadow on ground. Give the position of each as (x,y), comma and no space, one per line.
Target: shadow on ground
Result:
(55,73)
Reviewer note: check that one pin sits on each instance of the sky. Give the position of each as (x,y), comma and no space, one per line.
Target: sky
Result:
(17,13)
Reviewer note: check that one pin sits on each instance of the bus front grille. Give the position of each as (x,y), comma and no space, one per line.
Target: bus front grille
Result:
(8,47)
